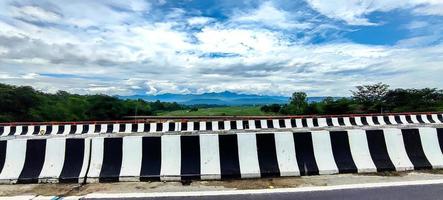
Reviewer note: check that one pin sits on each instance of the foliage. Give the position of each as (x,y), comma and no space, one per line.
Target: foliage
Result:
(27,104)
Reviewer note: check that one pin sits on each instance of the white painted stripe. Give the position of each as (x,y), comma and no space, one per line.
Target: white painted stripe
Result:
(227,125)
(403,119)
(178,126)
(79,129)
(239,124)
(358,144)
(425,119)
(30,130)
(54,159)
(286,156)
(190,126)
(347,121)
(141,128)
(263,124)
(203,126)
(165,126)
(414,119)
(381,120)
(67,129)
(251,124)
(18,130)
(14,160)
(323,152)
(54,129)
(96,158)
(42,130)
(435,118)
(215,125)
(392,119)
(275,123)
(298,123)
(358,121)
(128,128)
(396,149)
(335,121)
(370,121)
(247,155)
(153,127)
(170,157)
(116,128)
(431,147)
(288,123)
(322,122)
(103,128)
(209,157)
(132,158)
(310,122)
(86,157)
(262,191)
(91,129)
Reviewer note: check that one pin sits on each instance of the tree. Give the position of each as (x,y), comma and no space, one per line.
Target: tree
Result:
(371,96)
(298,103)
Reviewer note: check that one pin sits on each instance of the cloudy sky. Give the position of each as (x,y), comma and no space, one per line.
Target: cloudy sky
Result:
(270,47)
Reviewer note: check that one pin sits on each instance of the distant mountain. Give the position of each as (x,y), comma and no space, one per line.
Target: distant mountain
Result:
(221,98)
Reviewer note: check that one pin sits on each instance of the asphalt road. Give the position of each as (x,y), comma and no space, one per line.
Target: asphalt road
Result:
(412,192)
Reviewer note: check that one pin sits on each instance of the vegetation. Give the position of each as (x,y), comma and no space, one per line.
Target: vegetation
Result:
(27,104)
(377,98)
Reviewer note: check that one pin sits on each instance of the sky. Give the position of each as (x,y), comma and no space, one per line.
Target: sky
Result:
(274,47)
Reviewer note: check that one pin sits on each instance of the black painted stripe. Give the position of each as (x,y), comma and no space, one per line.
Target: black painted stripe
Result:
(329,121)
(378,150)
(112,159)
(73,129)
(36,130)
(151,159)
(419,119)
(221,125)
(196,126)
(233,125)
(72,166)
(352,120)
(397,119)
(184,126)
(171,126)
(315,121)
(440,138)
(281,123)
(409,119)
(121,128)
(134,128)
(257,124)
(293,123)
(24,130)
(229,161)
(342,152)
(304,122)
(61,129)
(48,130)
(97,128)
(375,120)
(2,130)
(440,117)
(245,124)
(267,155)
(85,128)
(341,121)
(305,154)
(364,121)
(269,123)
(209,126)
(12,130)
(386,119)
(147,127)
(430,118)
(159,127)
(414,149)
(109,128)
(3,144)
(190,157)
(35,157)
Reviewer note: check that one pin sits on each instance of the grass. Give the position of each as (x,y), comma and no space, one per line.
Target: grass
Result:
(219,111)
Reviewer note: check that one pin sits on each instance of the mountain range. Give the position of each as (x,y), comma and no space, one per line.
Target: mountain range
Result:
(220,98)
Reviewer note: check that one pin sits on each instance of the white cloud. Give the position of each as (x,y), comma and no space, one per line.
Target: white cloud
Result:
(34,13)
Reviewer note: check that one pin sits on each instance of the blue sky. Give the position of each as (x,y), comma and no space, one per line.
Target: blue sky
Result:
(270,47)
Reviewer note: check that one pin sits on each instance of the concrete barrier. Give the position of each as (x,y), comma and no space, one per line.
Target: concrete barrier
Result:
(69,129)
(259,155)
(44,160)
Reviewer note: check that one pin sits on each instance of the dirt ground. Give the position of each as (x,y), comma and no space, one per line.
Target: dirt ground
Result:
(269,183)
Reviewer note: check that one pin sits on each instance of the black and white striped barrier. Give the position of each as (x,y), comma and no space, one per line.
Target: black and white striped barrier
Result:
(257,124)
(219,156)
(44,160)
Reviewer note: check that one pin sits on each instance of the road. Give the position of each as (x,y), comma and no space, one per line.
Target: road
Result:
(397,192)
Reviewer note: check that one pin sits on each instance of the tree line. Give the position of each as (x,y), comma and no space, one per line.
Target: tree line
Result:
(376,98)
(23,103)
